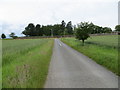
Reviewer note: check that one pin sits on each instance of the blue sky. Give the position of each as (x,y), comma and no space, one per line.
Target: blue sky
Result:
(16,14)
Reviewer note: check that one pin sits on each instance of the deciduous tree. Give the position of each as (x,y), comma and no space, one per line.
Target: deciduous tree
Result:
(69,29)
(117,28)
(82,31)
(3,36)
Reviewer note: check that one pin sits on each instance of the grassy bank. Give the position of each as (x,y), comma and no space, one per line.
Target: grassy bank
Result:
(25,62)
(98,50)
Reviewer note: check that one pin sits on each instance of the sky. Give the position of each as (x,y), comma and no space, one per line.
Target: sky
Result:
(15,15)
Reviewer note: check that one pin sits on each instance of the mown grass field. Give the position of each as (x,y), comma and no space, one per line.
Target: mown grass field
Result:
(25,62)
(102,49)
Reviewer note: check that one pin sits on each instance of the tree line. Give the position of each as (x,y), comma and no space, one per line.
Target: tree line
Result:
(49,30)
(63,29)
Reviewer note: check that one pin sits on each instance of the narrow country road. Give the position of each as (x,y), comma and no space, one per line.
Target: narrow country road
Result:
(71,69)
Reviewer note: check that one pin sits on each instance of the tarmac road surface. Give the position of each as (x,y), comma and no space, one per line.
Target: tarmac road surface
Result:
(71,69)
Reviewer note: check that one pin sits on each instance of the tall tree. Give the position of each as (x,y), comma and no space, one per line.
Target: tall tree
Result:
(38,30)
(69,29)
(62,31)
(117,28)
(3,36)
(56,28)
(47,30)
(97,29)
(26,32)
(107,30)
(29,30)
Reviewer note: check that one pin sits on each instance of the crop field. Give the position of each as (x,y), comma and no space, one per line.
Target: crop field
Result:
(102,49)
(25,62)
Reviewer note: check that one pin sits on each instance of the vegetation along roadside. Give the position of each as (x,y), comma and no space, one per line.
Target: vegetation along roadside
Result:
(26,62)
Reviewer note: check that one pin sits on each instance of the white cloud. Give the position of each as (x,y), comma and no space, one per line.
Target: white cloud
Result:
(18,13)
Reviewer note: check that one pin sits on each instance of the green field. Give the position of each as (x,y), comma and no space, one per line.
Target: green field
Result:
(25,62)
(0,64)
(102,49)
(109,41)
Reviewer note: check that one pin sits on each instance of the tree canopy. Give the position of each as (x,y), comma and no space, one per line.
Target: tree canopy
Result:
(48,30)
(117,28)
(69,28)
(3,36)
(82,31)
(13,35)
(63,29)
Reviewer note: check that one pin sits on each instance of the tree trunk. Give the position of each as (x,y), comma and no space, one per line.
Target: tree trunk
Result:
(83,42)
